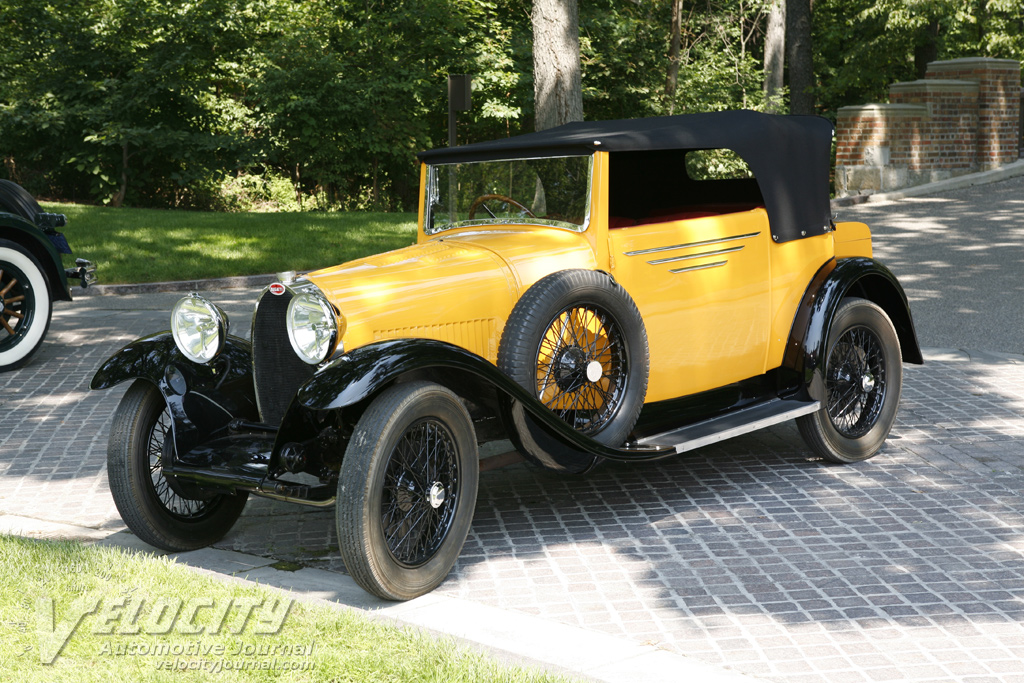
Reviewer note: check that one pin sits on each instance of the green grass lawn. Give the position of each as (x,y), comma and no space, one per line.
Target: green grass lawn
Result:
(147,612)
(149,245)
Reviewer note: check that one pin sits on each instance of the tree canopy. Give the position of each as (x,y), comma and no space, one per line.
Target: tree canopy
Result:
(161,103)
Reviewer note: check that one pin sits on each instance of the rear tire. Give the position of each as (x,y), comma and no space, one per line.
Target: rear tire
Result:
(863,383)
(140,439)
(25,305)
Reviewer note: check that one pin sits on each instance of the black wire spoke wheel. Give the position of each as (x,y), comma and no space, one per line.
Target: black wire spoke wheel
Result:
(863,378)
(158,447)
(855,383)
(407,490)
(163,512)
(421,487)
(582,367)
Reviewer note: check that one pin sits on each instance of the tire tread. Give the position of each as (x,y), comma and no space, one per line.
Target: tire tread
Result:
(516,349)
(817,430)
(136,407)
(354,489)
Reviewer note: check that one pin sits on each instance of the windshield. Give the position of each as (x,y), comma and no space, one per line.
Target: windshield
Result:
(553,191)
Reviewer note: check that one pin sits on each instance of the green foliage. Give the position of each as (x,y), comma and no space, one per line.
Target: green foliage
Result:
(346,95)
(268,192)
(716,164)
(625,47)
(861,46)
(218,103)
(101,94)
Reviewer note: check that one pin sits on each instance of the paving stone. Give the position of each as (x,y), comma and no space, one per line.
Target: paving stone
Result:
(752,552)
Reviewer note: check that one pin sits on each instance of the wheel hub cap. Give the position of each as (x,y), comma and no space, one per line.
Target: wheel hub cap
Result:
(570,366)
(437,495)
(594,371)
(867,383)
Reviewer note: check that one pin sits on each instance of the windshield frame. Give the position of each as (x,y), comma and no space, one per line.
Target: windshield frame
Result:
(431,191)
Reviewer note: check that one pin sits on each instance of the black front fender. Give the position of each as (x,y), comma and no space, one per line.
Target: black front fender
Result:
(834,281)
(359,375)
(202,399)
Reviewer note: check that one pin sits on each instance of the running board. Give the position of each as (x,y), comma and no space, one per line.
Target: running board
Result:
(732,424)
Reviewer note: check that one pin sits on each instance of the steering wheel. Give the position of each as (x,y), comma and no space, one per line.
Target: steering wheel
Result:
(478,202)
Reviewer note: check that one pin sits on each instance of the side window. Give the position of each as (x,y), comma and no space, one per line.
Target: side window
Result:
(657,186)
(716,164)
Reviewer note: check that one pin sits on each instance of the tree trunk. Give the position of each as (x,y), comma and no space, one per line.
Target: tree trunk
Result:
(775,57)
(297,184)
(927,48)
(557,88)
(118,198)
(798,54)
(675,33)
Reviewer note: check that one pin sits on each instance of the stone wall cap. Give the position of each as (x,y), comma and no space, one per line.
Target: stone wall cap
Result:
(898,109)
(962,61)
(935,84)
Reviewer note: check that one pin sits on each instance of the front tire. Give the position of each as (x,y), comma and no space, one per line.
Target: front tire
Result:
(863,376)
(149,502)
(407,490)
(25,305)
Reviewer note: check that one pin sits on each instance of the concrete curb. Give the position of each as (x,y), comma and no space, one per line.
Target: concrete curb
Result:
(1011,170)
(942,355)
(506,635)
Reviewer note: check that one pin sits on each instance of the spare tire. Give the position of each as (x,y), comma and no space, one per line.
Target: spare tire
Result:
(575,340)
(14,199)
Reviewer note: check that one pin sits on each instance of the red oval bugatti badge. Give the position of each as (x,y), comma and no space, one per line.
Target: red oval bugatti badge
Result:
(277,288)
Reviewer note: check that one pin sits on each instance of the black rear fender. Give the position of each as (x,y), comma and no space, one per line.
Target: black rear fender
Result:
(202,399)
(835,281)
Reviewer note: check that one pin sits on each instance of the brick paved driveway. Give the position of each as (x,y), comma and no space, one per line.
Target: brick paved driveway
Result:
(751,553)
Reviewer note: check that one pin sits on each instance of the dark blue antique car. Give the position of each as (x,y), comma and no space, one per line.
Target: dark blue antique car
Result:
(31,274)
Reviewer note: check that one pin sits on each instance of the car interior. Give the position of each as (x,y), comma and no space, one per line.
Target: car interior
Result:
(653,186)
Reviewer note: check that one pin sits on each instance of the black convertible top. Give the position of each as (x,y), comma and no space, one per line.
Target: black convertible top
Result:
(789,155)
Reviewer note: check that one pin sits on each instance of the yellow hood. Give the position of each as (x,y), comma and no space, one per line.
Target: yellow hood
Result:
(456,288)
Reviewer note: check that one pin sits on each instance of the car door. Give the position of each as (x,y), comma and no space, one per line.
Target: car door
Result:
(702,287)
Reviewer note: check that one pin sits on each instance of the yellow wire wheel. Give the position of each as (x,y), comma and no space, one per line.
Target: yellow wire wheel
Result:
(576,341)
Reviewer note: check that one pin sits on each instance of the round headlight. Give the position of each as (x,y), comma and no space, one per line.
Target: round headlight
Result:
(199,328)
(312,327)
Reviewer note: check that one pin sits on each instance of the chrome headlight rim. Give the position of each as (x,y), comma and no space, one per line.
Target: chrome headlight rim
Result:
(326,335)
(189,314)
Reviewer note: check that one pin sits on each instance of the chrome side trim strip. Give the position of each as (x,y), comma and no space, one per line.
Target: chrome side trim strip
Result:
(717,252)
(692,244)
(703,266)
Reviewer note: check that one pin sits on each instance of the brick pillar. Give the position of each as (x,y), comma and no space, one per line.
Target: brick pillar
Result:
(999,104)
(874,146)
(949,137)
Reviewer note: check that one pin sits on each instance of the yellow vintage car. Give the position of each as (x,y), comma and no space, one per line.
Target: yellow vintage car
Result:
(610,290)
